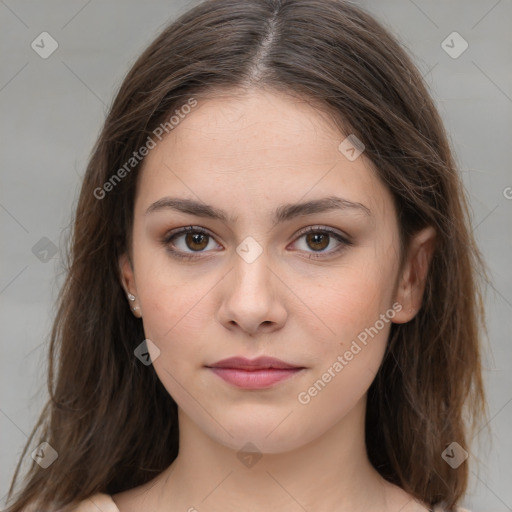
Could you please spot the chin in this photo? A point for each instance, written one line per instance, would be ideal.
(271, 436)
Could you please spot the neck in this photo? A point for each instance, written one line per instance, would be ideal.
(330, 473)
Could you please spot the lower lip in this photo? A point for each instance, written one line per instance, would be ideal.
(255, 379)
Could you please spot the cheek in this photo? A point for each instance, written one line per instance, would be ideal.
(357, 308)
(355, 296)
(174, 317)
(361, 321)
(360, 314)
(174, 320)
(172, 297)
(338, 390)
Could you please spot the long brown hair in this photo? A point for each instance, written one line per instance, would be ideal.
(110, 419)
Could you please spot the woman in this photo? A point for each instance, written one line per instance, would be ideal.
(272, 299)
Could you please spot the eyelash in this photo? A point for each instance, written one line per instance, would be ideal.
(311, 229)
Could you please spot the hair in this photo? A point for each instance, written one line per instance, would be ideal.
(105, 409)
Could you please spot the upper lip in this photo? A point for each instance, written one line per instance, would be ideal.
(260, 363)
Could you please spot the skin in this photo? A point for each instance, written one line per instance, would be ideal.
(248, 153)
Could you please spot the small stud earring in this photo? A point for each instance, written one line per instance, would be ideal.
(131, 297)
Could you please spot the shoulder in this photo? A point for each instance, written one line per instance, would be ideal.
(98, 501)
(458, 509)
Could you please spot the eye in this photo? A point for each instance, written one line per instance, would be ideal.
(193, 237)
(319, 238)
(184, 242)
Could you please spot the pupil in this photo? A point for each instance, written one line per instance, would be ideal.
(317, 239)
(195, 239)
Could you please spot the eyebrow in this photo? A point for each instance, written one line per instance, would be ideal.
(283, 213)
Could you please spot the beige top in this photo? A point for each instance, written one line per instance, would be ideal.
(105, 503)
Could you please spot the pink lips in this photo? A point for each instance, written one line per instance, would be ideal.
(253, 374)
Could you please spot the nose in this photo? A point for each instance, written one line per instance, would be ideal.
(253, 296)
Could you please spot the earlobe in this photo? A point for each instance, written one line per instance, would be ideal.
(413, 278)
(128, 283)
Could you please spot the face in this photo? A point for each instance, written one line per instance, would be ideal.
(317, 287)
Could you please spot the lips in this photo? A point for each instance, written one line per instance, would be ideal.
(259, 373)
(260, 363)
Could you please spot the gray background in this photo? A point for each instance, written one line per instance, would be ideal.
(52, 110)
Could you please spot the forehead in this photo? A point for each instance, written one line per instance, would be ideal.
(256, 150)
(255, 123)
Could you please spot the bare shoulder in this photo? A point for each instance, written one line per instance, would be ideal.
(142, 497)
(132, 500)
(97, 502)
(94, 503)
(458, 509)
(398, 499)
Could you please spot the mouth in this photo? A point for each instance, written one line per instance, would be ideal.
(258, 373)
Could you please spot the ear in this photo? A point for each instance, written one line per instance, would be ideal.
(128, 282)
(126, 273)
(412, 279)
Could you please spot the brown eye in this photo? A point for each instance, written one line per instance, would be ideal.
(184, 243)
(322, 242)
(196, 241)
(317, 241)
